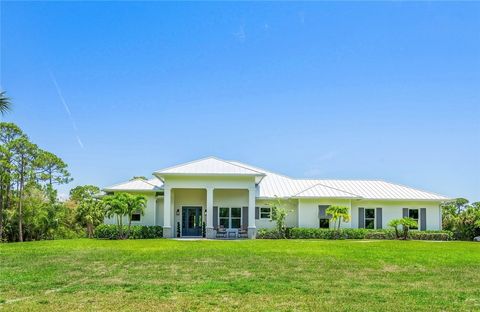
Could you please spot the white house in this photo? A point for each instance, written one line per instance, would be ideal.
(231, 195)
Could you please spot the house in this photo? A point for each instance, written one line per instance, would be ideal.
(221, 194)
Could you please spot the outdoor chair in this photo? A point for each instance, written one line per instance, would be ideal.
(221, 232)
(243, 232)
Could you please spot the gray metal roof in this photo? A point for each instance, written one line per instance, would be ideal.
(276, 185)
(208, 166)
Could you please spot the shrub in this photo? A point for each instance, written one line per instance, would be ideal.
(269, 234)
(111, 231)
(307, 233)
(432, 235)
(380, 234)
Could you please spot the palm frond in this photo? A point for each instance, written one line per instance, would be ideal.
(5, 104)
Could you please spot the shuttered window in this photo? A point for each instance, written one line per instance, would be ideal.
(324, 219)
(414, 214)
(369, 218)
(230, 217)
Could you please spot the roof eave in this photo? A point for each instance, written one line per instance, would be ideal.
(407, 199)
(160, 174)
(132, 190)
(325, 197)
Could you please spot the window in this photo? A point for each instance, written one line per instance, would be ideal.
(324, 223)
(236, 219)
(265, 213)
(135, 217)
(413, 213)
(369, 218)
(224, 217)
(230, 218)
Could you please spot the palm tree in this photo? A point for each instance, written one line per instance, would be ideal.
(338, 213)
(116, 205)
(135, 204)
(5, 104)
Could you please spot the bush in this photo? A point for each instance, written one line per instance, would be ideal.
(110, 231)
(307, 233)
(268, 234)
(432, 235)
(380, 234)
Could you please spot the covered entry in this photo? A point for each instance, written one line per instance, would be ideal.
(192, 221)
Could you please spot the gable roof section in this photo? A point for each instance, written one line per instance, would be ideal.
(137, 185)
(319, 191)
(208, 166)
(376, 189)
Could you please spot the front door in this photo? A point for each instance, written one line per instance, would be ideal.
(192, 221)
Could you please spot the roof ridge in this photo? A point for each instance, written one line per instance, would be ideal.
(241, 166)
(333, 188)
(415, 189)
(184, 164)
(206, 158)
(265, 170)
(125, 182)
(356, 180)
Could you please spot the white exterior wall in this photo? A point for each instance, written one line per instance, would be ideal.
(308, 211)
(292, 214)
(230, 198)
(394, 210)
(149, 216)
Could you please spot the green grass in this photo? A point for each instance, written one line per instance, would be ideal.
(246, 275)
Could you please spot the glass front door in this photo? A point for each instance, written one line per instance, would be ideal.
(192, 221)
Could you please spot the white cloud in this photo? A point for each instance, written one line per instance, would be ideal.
(240, 34)
(319, 164)
(67, 109)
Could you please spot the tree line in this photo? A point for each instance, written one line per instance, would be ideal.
(29, 205)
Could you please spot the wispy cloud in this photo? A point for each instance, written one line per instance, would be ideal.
(240, 34)
(67, 109)
(301, 16)
(318, 167)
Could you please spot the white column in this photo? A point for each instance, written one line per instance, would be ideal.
(210, 232)
(150, 210)
(167, 212)
(252, 229)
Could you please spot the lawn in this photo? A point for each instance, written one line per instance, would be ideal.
(267, 275)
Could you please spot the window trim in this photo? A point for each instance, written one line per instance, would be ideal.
(418, 219)
(365, 218)
(139, 217)
(230, 218)
(269, 213)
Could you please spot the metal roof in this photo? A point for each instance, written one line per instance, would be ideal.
(137, 185)
(319, 191)
(377, 189)
(276, 185)
(208, 166)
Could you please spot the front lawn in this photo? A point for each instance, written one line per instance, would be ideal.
(246, 275)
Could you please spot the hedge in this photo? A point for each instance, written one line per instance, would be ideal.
(110, 231)
(306, 233)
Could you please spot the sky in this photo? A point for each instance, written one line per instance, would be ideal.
(341, 90)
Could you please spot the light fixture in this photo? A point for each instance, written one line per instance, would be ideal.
(178, 212)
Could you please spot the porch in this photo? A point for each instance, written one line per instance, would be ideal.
(210, 212)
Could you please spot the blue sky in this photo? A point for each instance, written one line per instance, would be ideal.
(329, 90)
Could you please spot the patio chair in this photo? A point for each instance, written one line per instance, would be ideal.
(243, 232)
(221, 232)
